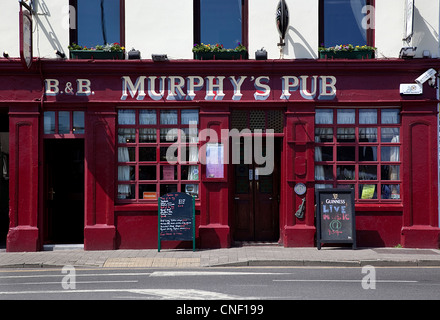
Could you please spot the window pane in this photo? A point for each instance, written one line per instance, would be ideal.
(367, 134)
(323, 153)
(390, 191)
(189, 154)
(324, 116)
(346, 135)
(126, 173)
(324, 172)
(147, 117)
(126, 135)
(367, 191)
(168, 117)
(346, 153)
(168, 135)
(189, 172)
(367, 172)
(390, 116)
(220, 22)
(49, 122)
(167, 188)
(126, 117)
(190, 117)
(147, 192)
(126, 154)
(172, 154)
(168, 173)
(190, 135)
(389, 172)
(147, 153)
(345, 172)
(147, 135)
(147, 172)
(346, 116)
(368, 116)
(63, 122)
(191, 189)
(343, 23)
(78, 122)
(390, 135)
(390, 153)
(98, 22)
(126, 191)
(367, 153)
(323, 134)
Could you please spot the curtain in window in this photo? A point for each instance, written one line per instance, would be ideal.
(356, 7)
(125, 117)
(322, 117)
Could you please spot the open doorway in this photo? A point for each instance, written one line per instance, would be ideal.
(64, 191)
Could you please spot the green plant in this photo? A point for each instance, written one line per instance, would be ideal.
(109, 47)
(345, 48)
(216, 48)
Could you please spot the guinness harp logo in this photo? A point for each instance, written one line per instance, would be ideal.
(335, 196)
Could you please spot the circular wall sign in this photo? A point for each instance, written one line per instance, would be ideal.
(300, 189)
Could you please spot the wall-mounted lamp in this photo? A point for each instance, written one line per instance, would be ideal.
(134, 54)
(5, 54)
(407, 52)
(159, 57)
(60, 54)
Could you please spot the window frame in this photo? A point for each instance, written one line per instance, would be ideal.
(71, 134)
(244, 22)
(334, 163)
(73, 32)
(370, 31)
(158, 163)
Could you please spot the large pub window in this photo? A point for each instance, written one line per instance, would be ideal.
(346, 22)
(97, 22)
(360, 149)
(157, 153)
(224, 22)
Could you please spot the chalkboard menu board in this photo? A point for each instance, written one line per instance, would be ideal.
(335, 216)
(176, 218)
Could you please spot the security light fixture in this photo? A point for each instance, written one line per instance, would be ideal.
(159, 57)
(407, 52)
(5, 54)
(60, 54)
(134, 54)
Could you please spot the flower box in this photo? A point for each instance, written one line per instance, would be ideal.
(97, 54)
(242, 55)
(358, 54)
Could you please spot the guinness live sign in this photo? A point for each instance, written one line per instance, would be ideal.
(335, 216)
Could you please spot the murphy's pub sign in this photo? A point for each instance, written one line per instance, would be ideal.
(196, 88)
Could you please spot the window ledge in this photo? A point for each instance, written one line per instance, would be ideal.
(378, 207)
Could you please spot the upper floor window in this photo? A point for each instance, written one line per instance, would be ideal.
(346, 22)
(223, 22)
(98, 22)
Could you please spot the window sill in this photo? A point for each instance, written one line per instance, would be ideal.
(376, 207)
(145, 207)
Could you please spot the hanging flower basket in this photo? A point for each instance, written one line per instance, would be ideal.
(347, 52)
(217, 52)
(108, 52)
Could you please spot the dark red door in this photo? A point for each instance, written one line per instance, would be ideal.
(256, 201)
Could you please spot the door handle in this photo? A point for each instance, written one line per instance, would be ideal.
(51, 193)
(236, 198)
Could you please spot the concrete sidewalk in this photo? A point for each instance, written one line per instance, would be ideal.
(237, 256)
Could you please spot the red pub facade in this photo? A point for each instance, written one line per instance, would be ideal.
(88, 143)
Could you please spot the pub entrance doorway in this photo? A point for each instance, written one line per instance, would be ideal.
(64, 191)
(256, 199)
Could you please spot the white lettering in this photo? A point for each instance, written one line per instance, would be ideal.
(138, 88)
(218, 86)
(52, 87)
(289, 84)
(262, 90)
(237, 87)
(83, 87)
(175, 91)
